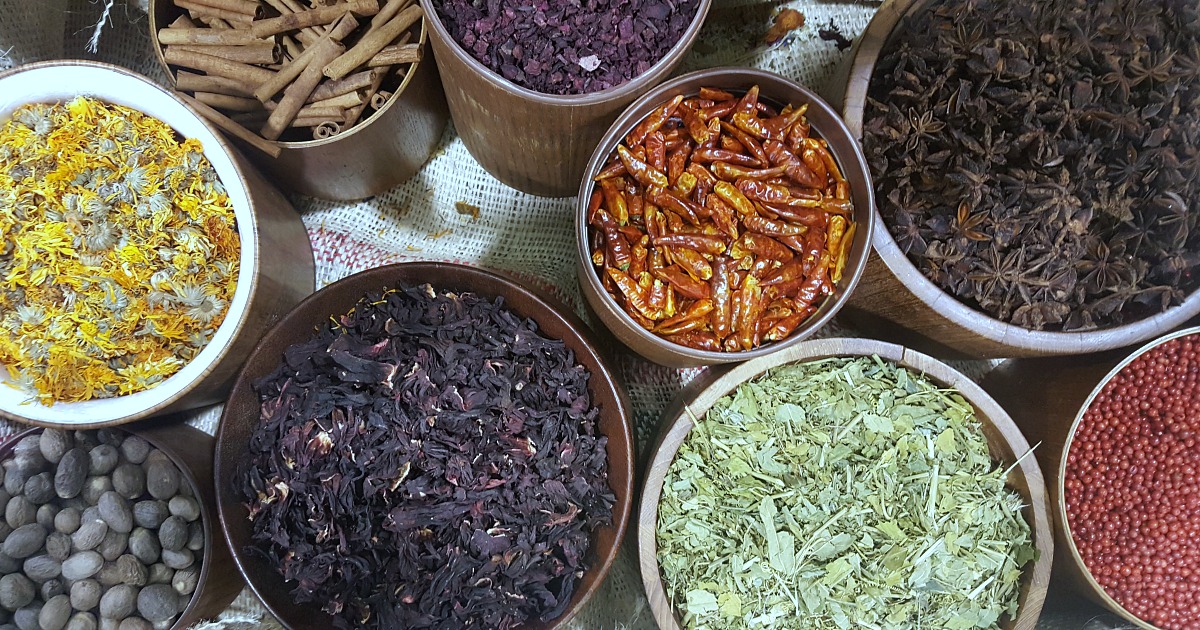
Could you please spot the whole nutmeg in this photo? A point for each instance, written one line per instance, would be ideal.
(5, 530)
(39, 488)
(186, 580)
(116, 511)
(27, 618)
(184, 507)
(82, 565)
(24, 541)
(195, 540)
(162, 479)
(20, 511)
(67, 520)
(108, 575)
(58, 546)
(129, 480)
(151, 513)
(95, 487)
(158, 602)
(113, 545)
(173, 534)
(42, 568)
(55, 613)
(111, 436)
(180, 559)
(54, 443)
(135, 449)
(132, 571)
(85, 594)
(85, 438)
(45, 516)
(50, 588)
(71, 473)
(15, 476)
(161, 573)
(103, 459)
(144, 545)
(135, 623)
(89, 535)
(7, 564)
(16, 591)
(82, 621)
(118, 602)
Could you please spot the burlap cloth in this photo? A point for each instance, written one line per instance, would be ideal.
(527, 236)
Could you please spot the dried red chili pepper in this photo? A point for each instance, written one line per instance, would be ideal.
(736, 221)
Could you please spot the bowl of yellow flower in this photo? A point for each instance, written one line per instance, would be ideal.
(140, 257)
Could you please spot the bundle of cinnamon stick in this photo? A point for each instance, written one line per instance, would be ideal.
(275, 65)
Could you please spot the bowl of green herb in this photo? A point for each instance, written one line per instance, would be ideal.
(142, 259)
(843, 483)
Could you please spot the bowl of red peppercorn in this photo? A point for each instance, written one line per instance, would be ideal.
(1119, 434)
(725, 215)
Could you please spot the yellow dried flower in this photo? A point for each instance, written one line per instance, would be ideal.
(119, 251)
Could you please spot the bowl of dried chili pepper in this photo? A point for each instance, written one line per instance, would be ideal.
(141, 257)
(1119, 435)
(725, 215)
(425, 445)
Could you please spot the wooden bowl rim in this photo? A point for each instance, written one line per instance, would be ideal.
(206, 516)
(1060, 507)
(856, 263)
(879, 32)
(248, 232)
(636, 85)
(673, 431)
(506, 287)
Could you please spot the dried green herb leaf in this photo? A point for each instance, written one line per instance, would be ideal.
(843, 493)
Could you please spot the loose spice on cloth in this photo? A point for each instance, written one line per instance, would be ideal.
(840, 493)
(120, 250)
(429, 460)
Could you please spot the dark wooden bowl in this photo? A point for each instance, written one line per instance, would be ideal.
(776, 89)
(382, 151)
(537, 143)
(1048, 397)
(241, 416)
(191, 450)
(1004, 441)
(276, 259)
(896, 301)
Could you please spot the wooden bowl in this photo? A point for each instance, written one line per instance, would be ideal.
(382, 151)
(774, 88)
(241, 416)
(1048, 410)
(276, 268)
(896, 301)
(534, 142)
(191, 450)
(1004, 441)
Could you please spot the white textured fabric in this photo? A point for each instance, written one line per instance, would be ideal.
(527, 236)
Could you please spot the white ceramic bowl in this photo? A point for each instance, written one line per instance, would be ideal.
(276, 269)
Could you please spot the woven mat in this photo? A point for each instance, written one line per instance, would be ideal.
(526, 236)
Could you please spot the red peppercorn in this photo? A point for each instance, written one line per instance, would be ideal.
(1131, 486)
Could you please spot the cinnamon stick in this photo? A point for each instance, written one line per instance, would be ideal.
(380, 98)
(338, 87)
(298, 92)
(307, 36)
(281, 79)
(312, 17)
(249, 8)
(189, 82)
(207, 37)
(203, 10)
(262, 53)
(182, 21)
(309, 121)
(231, 127)
(326, 130)
(227, 102)
(342, 101)
(373, 42)
(387, 12)
(395, 55)
(354, 113)
(217, 66)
